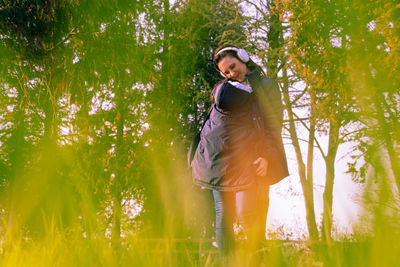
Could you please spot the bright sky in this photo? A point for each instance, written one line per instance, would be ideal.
(287, 210)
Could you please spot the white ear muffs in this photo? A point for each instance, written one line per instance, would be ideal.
(241, 53)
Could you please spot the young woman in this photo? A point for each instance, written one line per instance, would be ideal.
(240, 152)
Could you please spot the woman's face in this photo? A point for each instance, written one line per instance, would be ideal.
(233, 68)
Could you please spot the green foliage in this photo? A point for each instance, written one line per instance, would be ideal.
(97, 97)
(99, 100)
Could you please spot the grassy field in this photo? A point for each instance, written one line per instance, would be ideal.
(72, 249)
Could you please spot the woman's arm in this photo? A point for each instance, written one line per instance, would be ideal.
(269, 105)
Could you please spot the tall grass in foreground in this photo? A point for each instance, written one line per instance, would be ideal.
(84, 242)
(375, 245)
(62, 249)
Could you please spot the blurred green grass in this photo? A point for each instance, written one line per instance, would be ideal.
(70, 248)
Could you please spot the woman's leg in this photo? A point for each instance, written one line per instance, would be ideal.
(252, 209)
(225, 214)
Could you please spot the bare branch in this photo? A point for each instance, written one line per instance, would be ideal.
(316, 141)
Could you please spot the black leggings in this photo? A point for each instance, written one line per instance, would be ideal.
(250, 207)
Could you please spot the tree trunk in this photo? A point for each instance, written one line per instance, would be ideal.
(386, 134)
(116, 183)
(17, 159)
(307, 184)
(330, 176)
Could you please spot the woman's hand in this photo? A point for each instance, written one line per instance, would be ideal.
(262, 165)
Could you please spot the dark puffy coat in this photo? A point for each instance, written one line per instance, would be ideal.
(242, 127)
